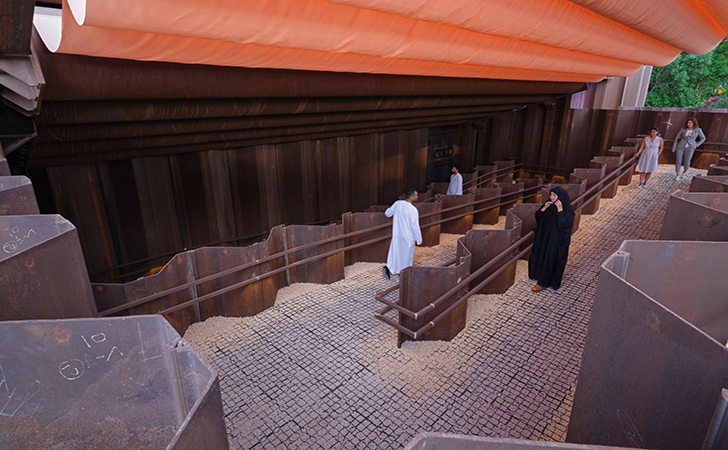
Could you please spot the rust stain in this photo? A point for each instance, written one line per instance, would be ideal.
(61, 335)
(653, 321)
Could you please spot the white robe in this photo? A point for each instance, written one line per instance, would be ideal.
(456, 185)
(405, 233)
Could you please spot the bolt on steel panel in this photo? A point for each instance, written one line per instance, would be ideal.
(696, 217)
(447, 441)
(513, 193)
(463, 224)
(487, 217)
(655, 359)
(717, 183)
(419, 286)
(42, 271)
(486, 244)
(121, 383)
(17, 197)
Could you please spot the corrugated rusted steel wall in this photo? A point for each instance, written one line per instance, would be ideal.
(129, 210)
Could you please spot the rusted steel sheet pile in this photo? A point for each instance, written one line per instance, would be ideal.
(655, 362)
(696, 216)
(121, 383)
(428, 306)
(447, 441)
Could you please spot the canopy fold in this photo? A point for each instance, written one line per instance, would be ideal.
(539, 40)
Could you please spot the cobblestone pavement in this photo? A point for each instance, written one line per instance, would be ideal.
(318, 371)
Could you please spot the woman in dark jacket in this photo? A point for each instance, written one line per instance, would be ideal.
(550, 249)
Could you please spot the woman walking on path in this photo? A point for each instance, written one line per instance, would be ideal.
(649, 153)
(686, 141)
(553, 235)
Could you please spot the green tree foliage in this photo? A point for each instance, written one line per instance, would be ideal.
(690, 81)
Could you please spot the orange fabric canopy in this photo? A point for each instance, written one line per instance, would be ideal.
(550, 40)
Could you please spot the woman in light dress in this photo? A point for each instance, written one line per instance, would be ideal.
(649, 153)
(687, 140)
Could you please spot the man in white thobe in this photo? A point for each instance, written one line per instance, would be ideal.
(456, 183)
(405, 233)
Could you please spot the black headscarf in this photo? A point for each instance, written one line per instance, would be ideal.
(551, 245)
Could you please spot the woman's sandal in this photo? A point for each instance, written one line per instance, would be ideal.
(537, 288)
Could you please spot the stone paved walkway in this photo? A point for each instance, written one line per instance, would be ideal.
(318, 371)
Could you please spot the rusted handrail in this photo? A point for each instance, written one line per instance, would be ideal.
(282, 254)
(492, 174)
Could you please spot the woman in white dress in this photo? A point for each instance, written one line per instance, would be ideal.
(649, 153)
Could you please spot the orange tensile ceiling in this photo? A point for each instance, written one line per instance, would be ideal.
(550, 40)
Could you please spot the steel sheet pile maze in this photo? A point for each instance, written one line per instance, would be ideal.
(430, 303)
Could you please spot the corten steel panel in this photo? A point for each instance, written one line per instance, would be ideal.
(430, 234)
(531, 183)
(484, 245)
(500, 165)
(703, 160)
(42, 272)
(376, 252)
(485, 169)
(122, 383)
(655, 359)
(323, 271)
(457, 226)
(275, 243)
(438, 188)
(696, 217)
(715, 183)
(627, 153)
(17, 197)
(717, 170)
(4, 168)
(447, 441)
(516, 195)
(526, 214)
(243, 302)
(420, 286)
(17, 20)
(722, 162)
(487, 217)
(592, 177)
(179, 270)
(612, 162)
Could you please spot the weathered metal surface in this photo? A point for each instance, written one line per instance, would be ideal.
(419, 286)
(592, 176)
(42, 272)
(612, 163)
(457, 226)
(376, 252)
(512, 192)
(17, 197)
(430, 233)
(122, 383)
(525, 213)
(483, 246)
(627, 152)
(437, 188)
(532, 184)
(482, 170)
(722, 162)
(655, 359)
(715, 169)
(715, 183)
(507, 177)
(323, 271)
(4, 168)
(17, 20)
(487, 217)
(190, 266)
(696, 217)
(446, 441)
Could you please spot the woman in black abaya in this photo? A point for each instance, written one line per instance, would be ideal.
(550, 249)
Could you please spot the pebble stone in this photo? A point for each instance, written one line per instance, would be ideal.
(318, 371)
